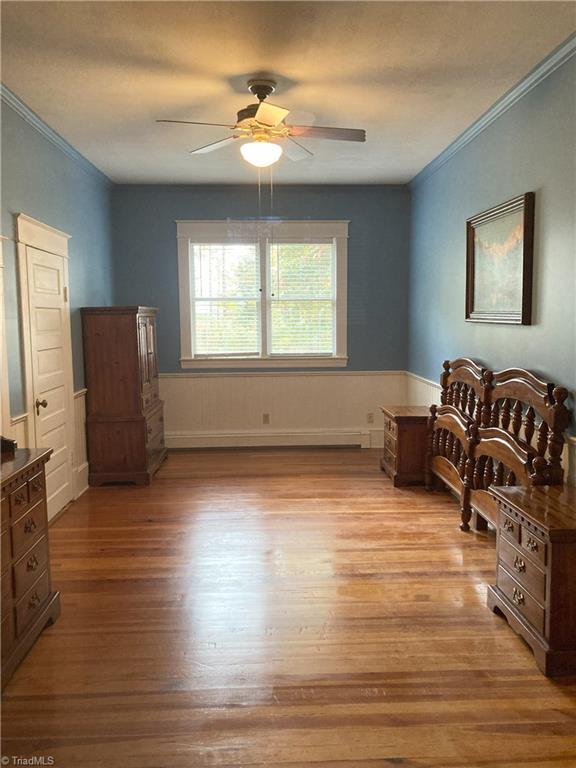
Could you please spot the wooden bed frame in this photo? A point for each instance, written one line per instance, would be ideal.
(497, 429)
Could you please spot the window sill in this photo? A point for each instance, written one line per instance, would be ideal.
(188, 363)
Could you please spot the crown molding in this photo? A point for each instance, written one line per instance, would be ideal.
(554, 60)
(10, 98)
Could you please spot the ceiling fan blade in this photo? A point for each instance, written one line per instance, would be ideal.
(270, 115)
(214, 145)
(318, 132)
(295, 151)
(191, 122)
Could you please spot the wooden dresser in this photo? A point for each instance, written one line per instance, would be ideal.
(405, 434)
(536, 573)
(124, 413)
(28, 601)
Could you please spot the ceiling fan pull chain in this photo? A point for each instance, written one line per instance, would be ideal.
(259, 193)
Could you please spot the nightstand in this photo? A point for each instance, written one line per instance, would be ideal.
(404, 455)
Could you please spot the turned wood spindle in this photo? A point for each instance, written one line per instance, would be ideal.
(449, 445)
(510, 478)
(505, 415)
(442, 443)
(471, 401)
(499, 474)
(495, 415)
(516, 418)
(542, 440)
(529, 425)
(488, 473)
(456, 451)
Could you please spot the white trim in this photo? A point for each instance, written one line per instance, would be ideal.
(42, 236)
(307, 374)
(4, 382)
(25, 340)
(44, 129)
(260, 231)
(545, 68)
(295, 361)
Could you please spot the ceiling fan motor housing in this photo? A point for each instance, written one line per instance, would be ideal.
(261, 88)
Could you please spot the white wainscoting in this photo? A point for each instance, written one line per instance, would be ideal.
(19, 430)
(316, 408)
(421, 391)
(80, 459)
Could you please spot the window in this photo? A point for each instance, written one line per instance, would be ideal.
(262, 293)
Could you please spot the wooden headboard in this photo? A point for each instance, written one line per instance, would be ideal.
(503, 428)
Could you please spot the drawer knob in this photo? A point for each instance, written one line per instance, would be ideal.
(508, 525)
(149, 430)
(518, 597)
(34, 601)
(32, 563)
(532, 545)
(519, 564)
(19, 499)
(30, 525)
(36, 486)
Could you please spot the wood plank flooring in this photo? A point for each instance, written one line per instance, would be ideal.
(282, 608)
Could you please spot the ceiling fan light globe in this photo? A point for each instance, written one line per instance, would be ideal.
(261, 154)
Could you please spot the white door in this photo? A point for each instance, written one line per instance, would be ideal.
(52, 370)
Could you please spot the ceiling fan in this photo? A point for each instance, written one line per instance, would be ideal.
(267, 135)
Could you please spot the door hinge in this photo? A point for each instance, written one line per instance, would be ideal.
(66, 293)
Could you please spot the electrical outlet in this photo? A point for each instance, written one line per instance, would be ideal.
(370, 418)
(265, 418)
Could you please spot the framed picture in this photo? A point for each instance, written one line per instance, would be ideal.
(499, 248)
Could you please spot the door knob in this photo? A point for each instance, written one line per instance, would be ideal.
(39, 404)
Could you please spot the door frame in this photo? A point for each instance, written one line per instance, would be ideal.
(35, 234)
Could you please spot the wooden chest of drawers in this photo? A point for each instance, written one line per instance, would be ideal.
(403, 458)
(536, 573)
(28, 602)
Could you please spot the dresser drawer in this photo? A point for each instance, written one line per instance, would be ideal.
(521, 599)
(523, 569)
(7, 632)
(5, 507)
(388, 462)
(5, 550)
(7, 593)
(19, 501)
(390, 426)
(36, 489)
(31, 602)
(390, 444)
(26, 530)
(533, 546)
(509, 527)
(31, 564)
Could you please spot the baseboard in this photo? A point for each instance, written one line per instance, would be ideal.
(363, 438)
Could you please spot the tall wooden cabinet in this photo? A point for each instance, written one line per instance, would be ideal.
(124, 413)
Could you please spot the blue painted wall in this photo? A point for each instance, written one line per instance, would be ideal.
(146, 260)
(40, 180)
(531, 147)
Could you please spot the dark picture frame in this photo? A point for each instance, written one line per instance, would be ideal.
(499, 257)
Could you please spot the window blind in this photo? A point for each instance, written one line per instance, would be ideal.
(225, 291)
(302, 298)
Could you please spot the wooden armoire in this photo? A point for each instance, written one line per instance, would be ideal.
(124, 413)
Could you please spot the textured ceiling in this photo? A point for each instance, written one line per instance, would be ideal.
(414, 75)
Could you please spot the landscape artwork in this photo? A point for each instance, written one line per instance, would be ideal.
(499, 263)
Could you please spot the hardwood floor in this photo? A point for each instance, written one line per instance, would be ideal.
(283, 608)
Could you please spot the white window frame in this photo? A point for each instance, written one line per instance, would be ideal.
(236, 231)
